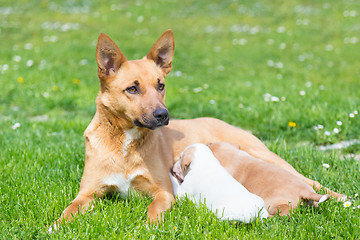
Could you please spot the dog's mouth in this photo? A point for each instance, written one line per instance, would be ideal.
(152, 125)
(152, 122)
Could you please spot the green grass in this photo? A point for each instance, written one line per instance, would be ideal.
(288, 47)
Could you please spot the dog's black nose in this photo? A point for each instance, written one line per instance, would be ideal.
(161, 114)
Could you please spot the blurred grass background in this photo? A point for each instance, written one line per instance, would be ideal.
(275, 68)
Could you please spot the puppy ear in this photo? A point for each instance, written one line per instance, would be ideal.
(186, 160)
(177, 172)
(162, 52)
(108, 56)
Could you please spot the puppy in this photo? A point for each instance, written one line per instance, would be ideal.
(199, 174)
(280, 190)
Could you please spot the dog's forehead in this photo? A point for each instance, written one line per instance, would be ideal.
(145, 70)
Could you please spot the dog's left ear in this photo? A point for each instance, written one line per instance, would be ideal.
(162, 52)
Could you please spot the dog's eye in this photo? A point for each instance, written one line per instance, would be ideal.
(161, 86)
(132, 89)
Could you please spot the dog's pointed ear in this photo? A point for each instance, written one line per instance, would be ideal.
(108, 56)
(162, 52)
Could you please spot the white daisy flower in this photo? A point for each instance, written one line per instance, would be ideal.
(220, 68)
(242, 41)
(198, 89)
(274, 99)
(279, 65)
(327, 133)
(267, 97)
(4, 67)
(347, 204)
(140, 19)
(270, 41)
(83, 62)
(336, 130)
(28, 46)
(325, 165)
(29, 63)
(281, 29)
(15, 126)
(17, 58)
(339, 123)
(270, 63)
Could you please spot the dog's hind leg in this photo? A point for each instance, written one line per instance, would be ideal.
(314, 198)
(252, 145)
(282, 210)
(268, 156)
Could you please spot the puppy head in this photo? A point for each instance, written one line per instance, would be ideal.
(182, 166)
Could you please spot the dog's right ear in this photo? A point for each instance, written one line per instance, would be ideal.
(108, 56)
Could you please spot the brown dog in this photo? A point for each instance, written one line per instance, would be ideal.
(126, 145)
(280, 190)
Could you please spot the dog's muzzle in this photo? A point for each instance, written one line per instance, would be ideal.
(162, 116)
(159, 118)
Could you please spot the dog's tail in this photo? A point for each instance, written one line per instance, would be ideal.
(314, 199)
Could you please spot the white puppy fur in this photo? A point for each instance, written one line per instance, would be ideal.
(203, 179)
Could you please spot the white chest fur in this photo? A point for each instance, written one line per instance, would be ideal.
(122, 183)
(130, 135)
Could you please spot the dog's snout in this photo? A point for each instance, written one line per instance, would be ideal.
(161, 114)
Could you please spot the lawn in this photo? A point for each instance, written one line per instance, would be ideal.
(288, 71)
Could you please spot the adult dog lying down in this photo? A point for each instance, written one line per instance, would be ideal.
(127, 143)
(199, 175)
(280, 190)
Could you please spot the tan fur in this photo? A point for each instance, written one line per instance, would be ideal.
(118, 146)
(280, 190)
